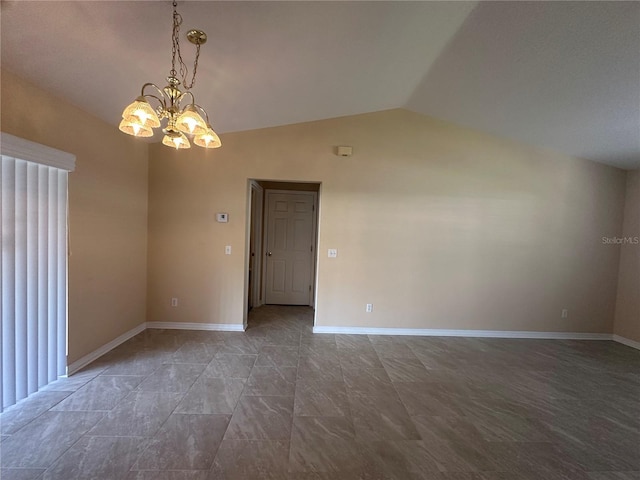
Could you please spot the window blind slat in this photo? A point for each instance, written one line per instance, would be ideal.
(62, 272)
(2, 282)
(32, 278)
(8, 283)
(52, 286)
(43, 274)
(20, 319)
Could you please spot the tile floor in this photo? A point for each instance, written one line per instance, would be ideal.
(278, 402)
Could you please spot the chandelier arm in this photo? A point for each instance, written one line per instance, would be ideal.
(206, 115)
(193, 99)
(160, 99)
(162, 103)
(151, 85)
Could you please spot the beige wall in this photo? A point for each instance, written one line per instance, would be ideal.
(628, 305)
(107, 212)
(436, 225)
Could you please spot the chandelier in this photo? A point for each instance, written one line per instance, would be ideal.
(178, 107)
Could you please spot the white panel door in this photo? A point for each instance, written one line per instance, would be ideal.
(289, 243)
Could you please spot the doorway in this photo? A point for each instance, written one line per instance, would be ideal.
(282, 243)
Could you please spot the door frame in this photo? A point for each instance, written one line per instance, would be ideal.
(314, 236)
(256, 213)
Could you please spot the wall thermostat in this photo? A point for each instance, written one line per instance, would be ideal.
(222, 217)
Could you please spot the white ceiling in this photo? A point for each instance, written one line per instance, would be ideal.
(560, 75)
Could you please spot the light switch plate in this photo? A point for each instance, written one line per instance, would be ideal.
(333, 253)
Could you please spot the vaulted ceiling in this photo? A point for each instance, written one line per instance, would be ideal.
(559, 75)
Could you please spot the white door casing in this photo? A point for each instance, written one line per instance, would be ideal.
(289, 247)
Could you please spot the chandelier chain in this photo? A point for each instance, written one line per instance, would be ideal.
(177, 20)
(184, 71)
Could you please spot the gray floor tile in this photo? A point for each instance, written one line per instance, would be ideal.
(614, 476)
(324, 444)
(405, 370)
(195, 352)
(324, 344)
(185, 442)
(502, 427)
(101, 393)
(546, 459)
(239, 344)
(169, 475)
(321, 368)
(321, 399)
(227, 365)
(398, 342)
(173, 378)
(251, 460)
(40, 443)
(261, 418)
(354, 343)
(394, 351)
(357, 359)
(461, 456)
(367, 380)
(343, 475)
(381, 417)
(108, 458)
(135, 363)
(139, 414)
(75, 381)
(19, 415)
(398, 456)
(446, 429)
(281, 336)
(428, 399)
(21, 473)
(212, 396)
(601, 456)
(269, 381)
(277, 356)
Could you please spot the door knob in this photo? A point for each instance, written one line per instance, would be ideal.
(268, 254)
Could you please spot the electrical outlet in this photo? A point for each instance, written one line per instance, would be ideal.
(333, 253)
(174, 302)
(565, 313)
(369, 308)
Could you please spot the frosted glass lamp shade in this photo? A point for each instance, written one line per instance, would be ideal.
(140, 112)
(209, 139)
(134, 129)
(191, 122)
(176, 140)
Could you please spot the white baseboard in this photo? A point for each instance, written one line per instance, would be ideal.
(432, 332)
(222, 327)
(418, 332)
(626, 341)
(87, 359)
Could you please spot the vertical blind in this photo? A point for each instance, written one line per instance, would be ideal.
(34, 269)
